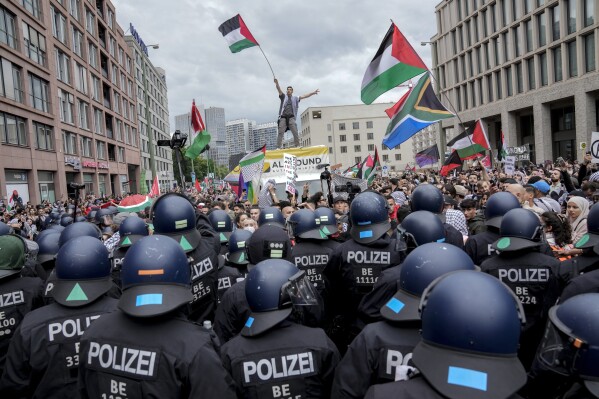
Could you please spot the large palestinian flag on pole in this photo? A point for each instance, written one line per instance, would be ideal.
(394, 63)
(237, 34)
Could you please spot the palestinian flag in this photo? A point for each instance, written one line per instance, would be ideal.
(469, 145)
(366, 168)
(503, 150)
(375, 167)
(451, 163)
(394, 63)
(251, 171)
(237, 34)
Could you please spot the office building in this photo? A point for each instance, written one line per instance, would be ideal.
(525, 67)
(265, 133)
(238, 139)
(424, 139)
(352, 132)
(215, 123)
(67, 101)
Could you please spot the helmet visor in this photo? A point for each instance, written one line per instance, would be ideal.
(299, 291)
(559, 350)
(106, 220)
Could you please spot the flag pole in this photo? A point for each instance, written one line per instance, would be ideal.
(267, 61)
(190, 133)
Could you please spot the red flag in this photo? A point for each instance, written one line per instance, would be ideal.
(198, 187)
(451, 163)
(155, 191)
(196, 119)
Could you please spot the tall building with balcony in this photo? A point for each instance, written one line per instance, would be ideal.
(67, 101)
(525, 67)
(152, 114)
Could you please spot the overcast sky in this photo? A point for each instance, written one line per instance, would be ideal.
(311, 44)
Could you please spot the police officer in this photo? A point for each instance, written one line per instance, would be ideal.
(271, 215)
(418, 228)
(275, 357)
(356, 264)
(470, 329)
(174, 216)
(48, 248)
(479, 246)
(131, 230)
(43, 357)
(222, 224)
(237, 256)
(18, 295)
(147, 348)
(268, 242)
(427, 197)
(530, 274)
(328, 224)
(382, 352)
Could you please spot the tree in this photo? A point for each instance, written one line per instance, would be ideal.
(201, 166)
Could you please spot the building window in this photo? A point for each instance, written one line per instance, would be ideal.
(398, 157)
(589, 12)
(528, 6)
(343, 149)
(557, 64)
(589, 52)
(83, 109)
(39, 93)
(96, 88)
(542, 24)
(519, 78)
(44, 136)
(572, 64)
(370, 147)
(69, 142)
(66, 103)
(110, 18)
(355, 125)
(543, 67)
(86, 146)
(555, 17)
(316, 114)
(7, 28)
(12, 129)
(74, 8)
(508, 81)
(33, 7)
(59, 25)
(90, 22)
(35, 44)
(357, 148)
(342, 126)
(370, 136)
(121, 154)
(517, 38)
(10, 82)
(498, 84)
(571, 15)
(77, 39)
(100, 150)
(385, 157)
(357, 137)
(98, 126)
(342, 137)
(368, 124)
(531, 73)
(63, 67)
(80, 78)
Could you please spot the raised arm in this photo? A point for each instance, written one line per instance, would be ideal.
(278, 87)
(309, 94)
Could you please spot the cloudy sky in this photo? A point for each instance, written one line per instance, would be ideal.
(311, 44)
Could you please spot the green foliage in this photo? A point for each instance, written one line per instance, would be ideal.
(201, 166)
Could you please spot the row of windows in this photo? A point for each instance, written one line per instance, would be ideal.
(343, 137)
(86, 147)
(355, 125)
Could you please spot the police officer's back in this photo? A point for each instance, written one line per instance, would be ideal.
(529, 274)
(174, 216)
(382, 352)
(154, 350)
(227, 274)
(43, 357)
(275, 357)
(18, 295)
(470, 330)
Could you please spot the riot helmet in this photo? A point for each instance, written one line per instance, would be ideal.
(131, 230)
(48, 246)
(269, 242)
(520, 229)
(238, 244)
(79, 230)
(66, 220)
(305, 224)
(427, 197)
(369, 217)
(12, 255)
(272, 288)
(271, 215)
(155, 277)
(103, 217)
(174, 216)
(82, 271)
(420, 268)
(328, 221)
(4, 229)
(56, 227)
(80, 219)
(497, 206)
(222, 223)
(419, 228)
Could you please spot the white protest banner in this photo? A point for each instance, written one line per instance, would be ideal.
(509, 166)
(290, 167)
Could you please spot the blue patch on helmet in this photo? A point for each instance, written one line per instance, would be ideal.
(364, 223)
(441, 240)
(148, 299)
(366, 234)
(467, 378)
(395, 305)
(249, 322)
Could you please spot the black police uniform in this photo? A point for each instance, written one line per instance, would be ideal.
(583, 284)
(376, 356)
(287, 361)
(385, 287)
(584, 263)
(532, 277)
(18, 296)
(453, 236)
(117, 259)
(166, 357)
(227, 277)
(312, 256)
(232, 312)
(43, 357)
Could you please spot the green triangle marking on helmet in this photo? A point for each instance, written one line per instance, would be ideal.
(126, 241)
(242, 257)
(322, 234)
(185, 244)
(77, 294)
(222, 237)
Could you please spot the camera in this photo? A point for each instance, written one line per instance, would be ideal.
(76, 186)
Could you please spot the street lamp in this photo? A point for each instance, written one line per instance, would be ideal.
(145, 59)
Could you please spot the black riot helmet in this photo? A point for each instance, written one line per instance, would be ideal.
(328, 221)
(269, 242)
(497, 206)
(369, 217)
(103, 217)
(470, 332)
(174, 216)
(79, 230)
(520, 229)
(419, 228)
(66, 220)
(427, 197)
(131, 230)
(82, 271)
(156, 278)
(570, 345)
(80, 219)
(304, 223)
(48, 246)
(272, 288)
(238, 245)
(222, 223)
(91, 216)
(420, 268)
(271, 215)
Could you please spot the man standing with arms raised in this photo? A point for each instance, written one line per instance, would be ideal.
(288, 113)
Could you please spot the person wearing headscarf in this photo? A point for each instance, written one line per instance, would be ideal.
(577, 211)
